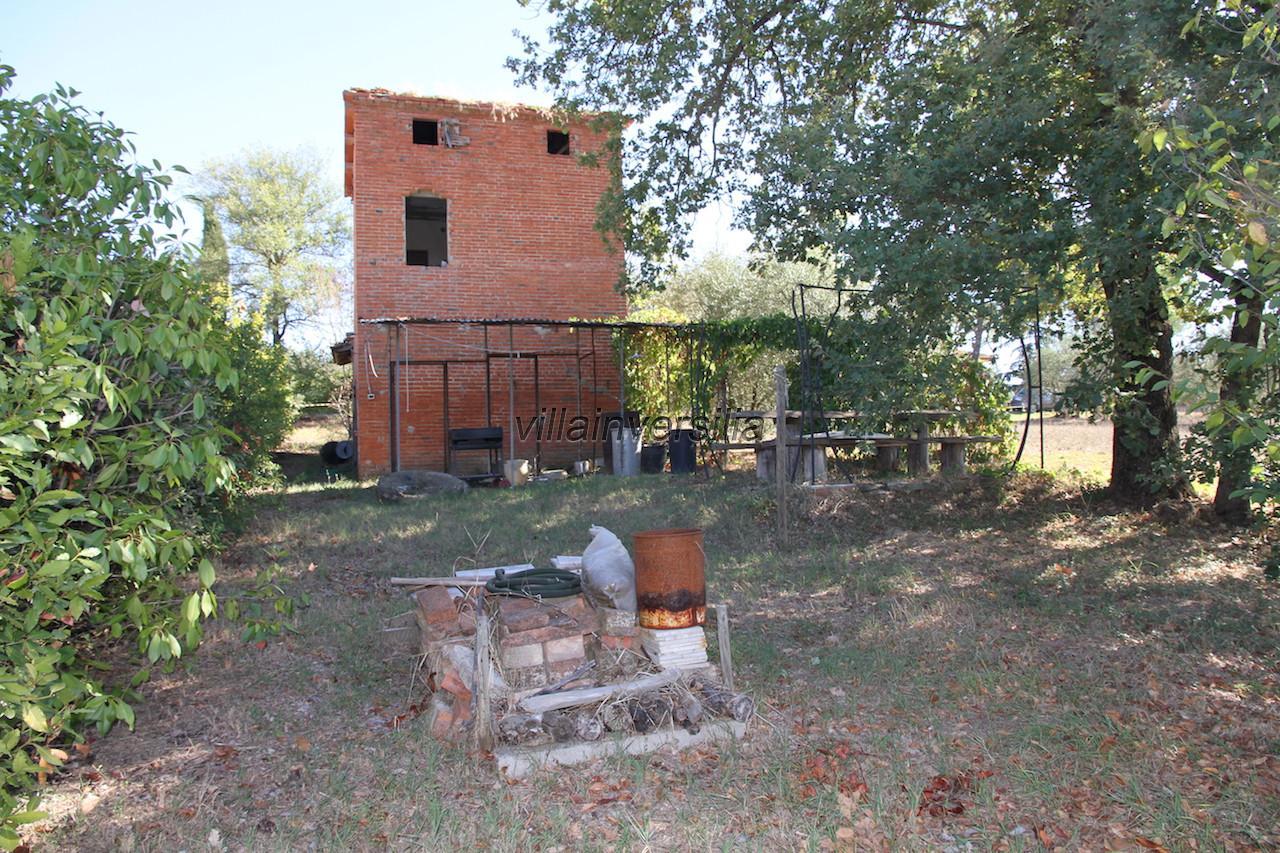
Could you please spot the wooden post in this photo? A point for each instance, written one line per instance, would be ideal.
(918, 453)
(726, 650)
(724, 419)
(780, 465)
(482, 723)
(953, 457)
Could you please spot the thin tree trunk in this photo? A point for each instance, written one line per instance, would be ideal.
(1236, 465)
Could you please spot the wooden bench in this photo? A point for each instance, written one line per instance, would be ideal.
(889, 451)
(485, 439)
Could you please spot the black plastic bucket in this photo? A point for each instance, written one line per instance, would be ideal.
(684, 451)
(653, 458)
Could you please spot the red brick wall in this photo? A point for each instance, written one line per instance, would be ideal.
(522, 243)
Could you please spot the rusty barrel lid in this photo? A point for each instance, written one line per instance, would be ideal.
(671, 585)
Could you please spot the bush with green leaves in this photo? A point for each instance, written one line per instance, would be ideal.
(110, 449)
(316, 379)
(1225, 156)
(262, 408)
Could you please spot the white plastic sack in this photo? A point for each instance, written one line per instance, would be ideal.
(608, 574)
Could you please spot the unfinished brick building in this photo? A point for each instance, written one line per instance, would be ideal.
(475, 212)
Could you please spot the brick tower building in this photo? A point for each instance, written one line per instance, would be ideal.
(475, 212)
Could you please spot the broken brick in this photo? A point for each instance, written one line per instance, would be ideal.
(542, 635)
(436, 605)
(441, 719)
(453, 684)
(521, 614)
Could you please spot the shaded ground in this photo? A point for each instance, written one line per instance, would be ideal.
(964, 667)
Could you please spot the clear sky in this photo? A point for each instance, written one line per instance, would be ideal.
(200, 81)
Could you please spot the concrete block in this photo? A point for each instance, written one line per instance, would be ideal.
(520, 657)
(568, 648)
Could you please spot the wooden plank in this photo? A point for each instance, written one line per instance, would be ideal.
(482, 721)
(726, 650)
(587, 695)
(517, 762)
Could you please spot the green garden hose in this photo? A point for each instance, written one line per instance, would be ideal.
(535, 583)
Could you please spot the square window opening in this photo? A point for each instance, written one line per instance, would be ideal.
(426, 231)
(426, 132)
(557, 142)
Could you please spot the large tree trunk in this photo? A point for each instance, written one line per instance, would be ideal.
(1144, 460)
(1236, 465)
(1125, 237)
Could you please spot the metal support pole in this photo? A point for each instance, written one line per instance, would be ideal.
(488, 388)
(780, 447)
(622, 378)
(577, 361)
(395, 417)
(511, 391)
(595, 389)
(1039, 381)
(448, 450)
(537, 408)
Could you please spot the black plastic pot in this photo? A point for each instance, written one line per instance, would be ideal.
(684, 451)
(653, 458)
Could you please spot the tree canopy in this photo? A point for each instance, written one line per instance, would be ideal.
(286, 229)
(111, 458)
(965, 162)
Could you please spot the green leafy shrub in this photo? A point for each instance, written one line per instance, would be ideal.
(315, 378)
(262, 408)
(111, 451)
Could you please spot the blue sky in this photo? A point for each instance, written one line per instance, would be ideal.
(200, 81)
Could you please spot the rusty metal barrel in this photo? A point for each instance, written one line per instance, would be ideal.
(671, 583)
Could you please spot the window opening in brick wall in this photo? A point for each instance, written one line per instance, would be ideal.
(426, 132)
(426, 234)
(557, 142)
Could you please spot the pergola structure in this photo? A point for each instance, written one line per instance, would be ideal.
(582, 394)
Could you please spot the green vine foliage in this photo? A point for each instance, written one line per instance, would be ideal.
(1224, 155)
(111, 453)
(881, 373)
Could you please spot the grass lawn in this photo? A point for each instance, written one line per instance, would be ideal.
(969, 666)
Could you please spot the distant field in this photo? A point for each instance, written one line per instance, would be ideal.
(1070, 444)
(1077, 446)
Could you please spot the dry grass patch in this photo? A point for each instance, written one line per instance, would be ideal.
(978, 665)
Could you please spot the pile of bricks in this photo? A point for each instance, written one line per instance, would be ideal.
(447, 627)
(441, 616)
(618, 630)
(541, 642)
(536, 643)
